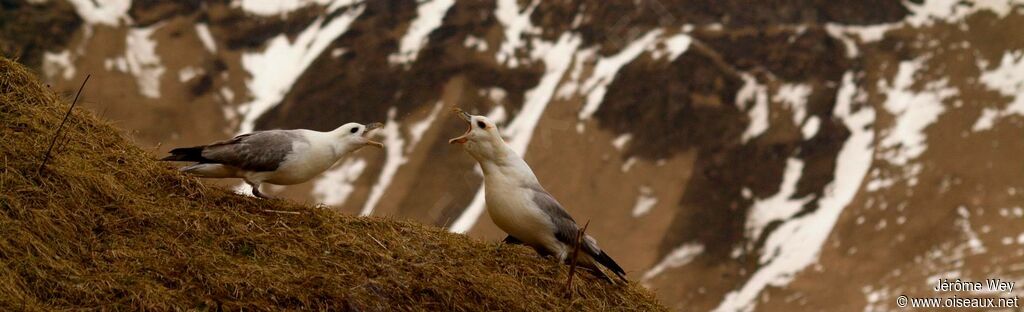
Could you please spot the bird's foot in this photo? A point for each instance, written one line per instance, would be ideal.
(256, 191)
(259, 195)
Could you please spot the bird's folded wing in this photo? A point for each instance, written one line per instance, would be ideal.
(257, 151)
(566, 229)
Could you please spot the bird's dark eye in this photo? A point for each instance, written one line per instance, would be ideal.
(481, 124)
(354, 129)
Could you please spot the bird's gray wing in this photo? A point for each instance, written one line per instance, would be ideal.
(257, 151)
(566, 229)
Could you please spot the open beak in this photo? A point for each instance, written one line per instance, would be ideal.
(465, 117)
(369, 128)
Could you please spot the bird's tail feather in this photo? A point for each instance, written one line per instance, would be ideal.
(210, 170)
(607, 262)
(596, 271)
(194, 153)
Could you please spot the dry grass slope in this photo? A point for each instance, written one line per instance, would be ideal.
(104, 226)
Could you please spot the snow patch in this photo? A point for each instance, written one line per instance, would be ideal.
(335, 185)
(926, 13)
(429, 15)
(417, 129)
(189, 72)
(757, 95)
(118, 63)
(229, 96)
(810, 127)
(143, 62)
(679, 257)
(628, 164)
(780, 206)
(987, 119)
(283, 7)
(620, 142)
(393, 159)
(107, 12)
(795, 97)
(973, 242)
(496, 94)
(274, 70)
(1008, 80)
(796, 244)
(644, 202)
(606, 69)
(478, 44)
(203, 32)
(951, 11)
(674, 46)
(58, 64)
(913, 112)
(516, 23)
(572, 85)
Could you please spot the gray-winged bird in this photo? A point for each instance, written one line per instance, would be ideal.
(520, 206)
(281, 157)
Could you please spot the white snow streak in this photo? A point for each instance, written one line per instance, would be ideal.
(107, 12)
(278, 66)
(950, 11)
(429, 15)
(58, 64)
(797, 243)
(913, 111)
(606, 69)
(516, 24)
(478, 44)
(334, 187)
(142, 60)
(811, 127)
(644, 202)
(189, 72)
(924, 14)
(417, 129)
(795, 97)
(1008, 80)
(393, 160)
(780, 206)
(758, 110)
(677, 258)
(674, 46)
(283, 7)
(620, 141)
(865, 33)
(203, 31)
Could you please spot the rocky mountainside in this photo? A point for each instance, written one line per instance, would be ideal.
(733, 155)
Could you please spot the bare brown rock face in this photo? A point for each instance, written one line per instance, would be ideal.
(778, 155)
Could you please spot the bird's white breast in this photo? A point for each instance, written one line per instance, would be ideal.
(512, 209)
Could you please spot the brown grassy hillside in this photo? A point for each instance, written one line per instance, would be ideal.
(105, 226)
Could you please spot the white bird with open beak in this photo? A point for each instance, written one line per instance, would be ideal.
(520, 206)
(280, 157)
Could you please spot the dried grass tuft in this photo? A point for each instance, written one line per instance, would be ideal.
(104, 226)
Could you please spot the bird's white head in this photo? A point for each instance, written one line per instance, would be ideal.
(356, 135)
(482, 139)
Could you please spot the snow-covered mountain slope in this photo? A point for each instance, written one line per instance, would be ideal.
(793, 155)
